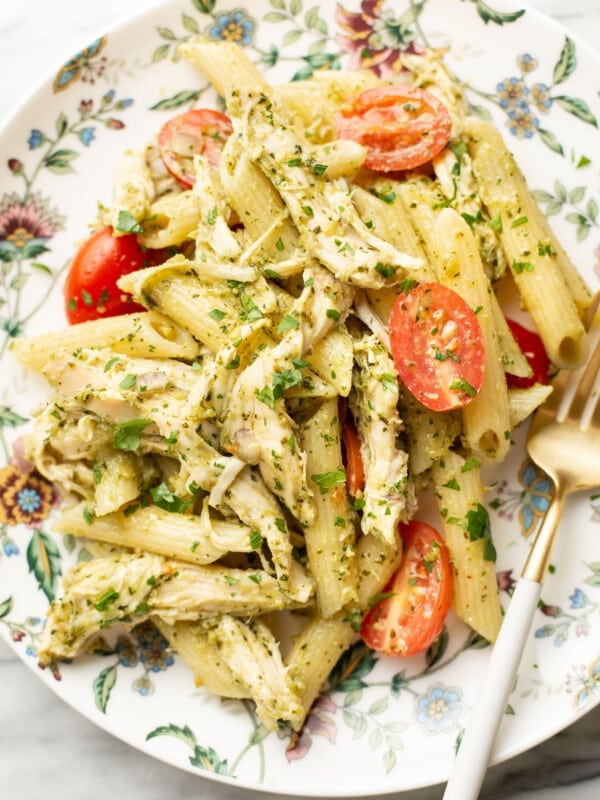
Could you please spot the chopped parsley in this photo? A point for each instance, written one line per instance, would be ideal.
(387, 197)
(288, 323)
(472, 220)
(127, 223)
(496, 223)
(126, 436)
(452, 484)
(516, 223)
(128, 381)
(463, 386)
(256, 540)
(110, 363)
(165, 499)
(106, 599)
(522, 266)
(479, 527)
(387, 270)
(327, 480)
(280, 523)
(389, 382)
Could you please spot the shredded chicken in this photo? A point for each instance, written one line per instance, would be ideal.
(129, 588)
(388, 493)
(322, 209)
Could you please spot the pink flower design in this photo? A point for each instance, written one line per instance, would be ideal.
(22, 221)
(375, 39)
(505, 580)
(319, 722)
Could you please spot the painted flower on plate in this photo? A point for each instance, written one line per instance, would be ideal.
(511, 92)
(585, 682)
(235, 26)
(126, 651)
(25, 497)
(154, 650)
(527, 62)
(540, 94)
(439, 709)
(522, 123)
(320, 722)
(376, 38)
(87, 66)
(26, 224)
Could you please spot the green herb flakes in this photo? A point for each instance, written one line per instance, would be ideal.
(327, 480)
(479, 527)
(127, 435)
(127, 223)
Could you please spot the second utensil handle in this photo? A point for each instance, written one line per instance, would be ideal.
(476, 746)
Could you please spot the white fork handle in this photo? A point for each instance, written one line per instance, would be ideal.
(476, 746)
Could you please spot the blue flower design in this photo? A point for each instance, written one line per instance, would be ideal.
(126, 651)
(439, 709)
(536, 497)
(522, 123)
(578, 599)
(511, 92)
(29, 500)
(586, 683)
(561, 637)
(87, 136)
(10, 548)
(155, 658)
(233, 27)
(154, 651)
(527, 62)
(540, 93)
(143, 686)
(36, 139)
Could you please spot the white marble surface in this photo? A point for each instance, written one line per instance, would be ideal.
(46, 748)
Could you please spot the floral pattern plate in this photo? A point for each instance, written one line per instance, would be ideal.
(383, 725)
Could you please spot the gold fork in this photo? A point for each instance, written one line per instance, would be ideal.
(564, 440)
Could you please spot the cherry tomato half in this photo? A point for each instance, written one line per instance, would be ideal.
(355, 472)
(437, 345)
(402, 126)
(534, 351)
(416, 601)
(91, 289)
(200, 131)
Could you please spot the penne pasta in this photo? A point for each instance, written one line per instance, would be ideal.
(330, 538)
(147, 335)
(486, 418)
(465, 521)
(243, 456)
(539, 268)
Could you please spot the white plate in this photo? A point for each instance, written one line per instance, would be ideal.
(388, 725)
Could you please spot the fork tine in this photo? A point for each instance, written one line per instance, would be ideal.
(581, 407)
